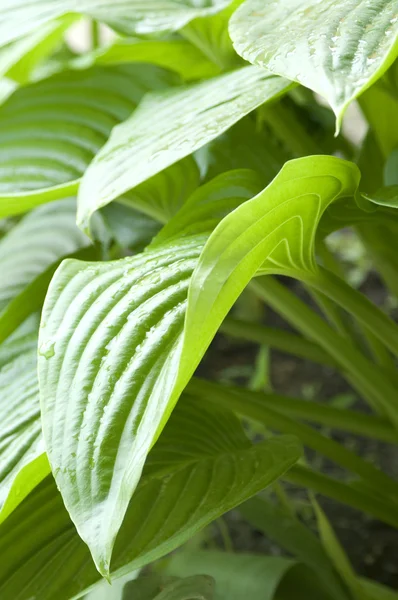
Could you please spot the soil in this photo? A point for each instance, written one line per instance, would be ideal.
(371, 545)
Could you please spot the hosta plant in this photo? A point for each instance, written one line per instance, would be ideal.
(152, 191)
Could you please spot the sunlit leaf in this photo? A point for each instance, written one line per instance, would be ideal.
(20, 17)
(169, 126)
(336, 48)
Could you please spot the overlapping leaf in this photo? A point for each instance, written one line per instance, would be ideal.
(336, 48)
(202, 466)
(169, 126)
(197, 587)
(50, 131)
(118, 341)
(39, 239)
(20, 17)
(22, 463)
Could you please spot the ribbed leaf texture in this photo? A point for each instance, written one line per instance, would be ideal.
(336, 48)
(50, 130)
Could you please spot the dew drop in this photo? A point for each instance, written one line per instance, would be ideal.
(47, 349)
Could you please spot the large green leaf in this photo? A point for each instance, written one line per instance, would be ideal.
(169, 126)
(50, 131)
(336, 48)
(39, 239)
(20, 17)
(202, 466)
(119, 325)
(118, 342)
(22, 463)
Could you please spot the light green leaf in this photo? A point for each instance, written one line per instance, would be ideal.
(20, 17)
(202, 466)
(110, 348)
(336, 48)
(118, 342)
(243, 576)
(19, 58)
(169, 126)
(37, 241)
(50, 130)
(178, 55)
(22, 462)
(197, 587)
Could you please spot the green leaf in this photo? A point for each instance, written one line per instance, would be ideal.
(243, 147)
(337, 555)
(202, 466)
(197, 587)
(169, 126)
(178, 55)
(20, 17)
(210, 35)
(22, 462)
(118, 342)
(19, 58)
(110, 349)
(336, 48)
(128, 227)
(294, 537)
(242, 576)
(51, 130)
(38, 240)
(386, 196)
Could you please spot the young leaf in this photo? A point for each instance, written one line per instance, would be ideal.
(336, 48)
(169, 126)
(115, 351)
(37, 241)
(22, 463)
(197, 587)
(20, 17)
(202, 466)
(50, 131)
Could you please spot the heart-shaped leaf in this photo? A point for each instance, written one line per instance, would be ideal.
(118, 342)
(50, 130)
(202, 466)
(169, 126)
(336, 48)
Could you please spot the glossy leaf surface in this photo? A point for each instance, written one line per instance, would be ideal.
(169, 126)
(20, 17)
(336, 48)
